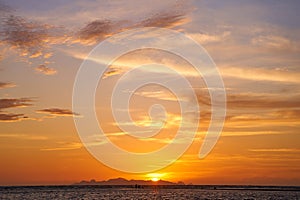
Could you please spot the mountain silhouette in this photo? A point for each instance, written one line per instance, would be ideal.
(123, 181)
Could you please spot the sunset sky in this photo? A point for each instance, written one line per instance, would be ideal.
(255, 45)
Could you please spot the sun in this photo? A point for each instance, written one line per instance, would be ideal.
(154, 179)
(155, 176)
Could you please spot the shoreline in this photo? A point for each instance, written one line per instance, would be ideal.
(198, 187)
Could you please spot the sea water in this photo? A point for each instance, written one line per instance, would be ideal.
(94, 192)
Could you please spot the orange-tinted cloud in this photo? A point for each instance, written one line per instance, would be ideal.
(254, 100)
(45, 70)
(13, 103)
(98, 30)
(9, 117)
(6, 85)
(239, 101)
(95, 31)
(22, 136)
(273, 42)
(204, 38)
(63, 146)
(165, 19)
(58, 112)
(31, 38)
(261, 74)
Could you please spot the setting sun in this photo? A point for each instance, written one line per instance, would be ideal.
(156, 176)
(154, 179)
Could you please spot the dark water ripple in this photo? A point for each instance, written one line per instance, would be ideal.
(94, 192)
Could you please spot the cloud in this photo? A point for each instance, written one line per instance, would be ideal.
(32, 39)
(23, 136)
(260, 74)
(248, 133)
(142, 56)
(112, 71)
(6, 85)
(13, 103)
(262, 101)
(288, 114)
(204, 38)
(24, 102)
(258, 101)
(58, 112)
(99, 29)
(269, 108)
(64, 146)
(95, 31)
(276, 150)
(166, 19)
(9, 117)
(273, 42)
(159, 94)
(45, 70)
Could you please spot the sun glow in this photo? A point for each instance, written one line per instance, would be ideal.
(154, 179)
(155, 176)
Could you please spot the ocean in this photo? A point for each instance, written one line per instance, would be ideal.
(152, 192)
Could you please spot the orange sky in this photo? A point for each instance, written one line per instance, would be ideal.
(255, 46)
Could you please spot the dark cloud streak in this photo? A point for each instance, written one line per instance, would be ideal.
(164, 20)
(13, 103)
(58, 112)
(98, 30)
(8, 117)
(95, 31)
(28, 37)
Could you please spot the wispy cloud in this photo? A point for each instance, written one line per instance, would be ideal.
(204, 38)
(276, 150)
(36, 39)
(6, 85)
(9, 117)
(63, 146)
(273, 42)
(262, 101)
(165, 19)
(30, 38)
(99, 29)
(13, 103)
(58, 112)
(158, 94)
(23, 136)
(248, 133)
(95, 31)
(143, 56)
(45, 70)
(261, 74)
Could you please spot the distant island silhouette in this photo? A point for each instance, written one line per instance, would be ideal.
(123, 181)
(162, 184)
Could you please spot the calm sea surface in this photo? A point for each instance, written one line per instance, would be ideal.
(94, 192)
